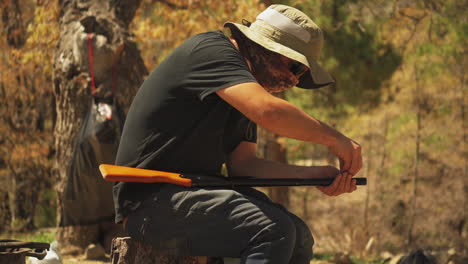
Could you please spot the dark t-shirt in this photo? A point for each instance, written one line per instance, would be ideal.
(177, 122)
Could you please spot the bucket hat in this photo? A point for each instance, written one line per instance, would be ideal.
(291, 33)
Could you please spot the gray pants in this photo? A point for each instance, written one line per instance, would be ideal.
(239, 223)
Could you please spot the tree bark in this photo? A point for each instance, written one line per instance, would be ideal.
(366, 226)
(13, 259)
(22, 118)
(414, 193)
(463, 232)
(129, 251)
(116, 64)
(381, 171)
(22, 198)
(273, 149)
(13, 23)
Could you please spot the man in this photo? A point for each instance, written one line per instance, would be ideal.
(199, 109)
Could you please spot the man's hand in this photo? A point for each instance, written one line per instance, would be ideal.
(343, 183)
(348, 152)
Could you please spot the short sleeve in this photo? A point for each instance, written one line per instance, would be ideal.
(214, 64)
(239, 128)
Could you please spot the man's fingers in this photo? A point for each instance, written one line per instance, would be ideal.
(332, 188)
(347, 164)
(353, 185)
(342, 163)
(342, 185)
(339, 184)
(348, 182)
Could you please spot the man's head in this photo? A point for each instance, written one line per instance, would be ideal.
(275, 72)
(280, 37)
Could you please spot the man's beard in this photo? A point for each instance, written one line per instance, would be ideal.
(267, 68)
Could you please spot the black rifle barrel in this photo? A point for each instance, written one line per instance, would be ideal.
(219, 181)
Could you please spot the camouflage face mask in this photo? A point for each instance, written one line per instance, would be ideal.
(271, 71)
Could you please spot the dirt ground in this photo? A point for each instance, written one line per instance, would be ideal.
(73, 260)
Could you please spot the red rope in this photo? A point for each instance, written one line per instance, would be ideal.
(91, 68)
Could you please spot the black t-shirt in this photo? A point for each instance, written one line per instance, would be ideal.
(177, 122)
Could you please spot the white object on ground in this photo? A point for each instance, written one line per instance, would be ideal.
(52, 257)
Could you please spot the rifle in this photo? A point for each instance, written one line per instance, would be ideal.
(128, 174)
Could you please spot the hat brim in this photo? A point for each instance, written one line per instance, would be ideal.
(315, 78)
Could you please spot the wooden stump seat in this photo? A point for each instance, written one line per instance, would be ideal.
(15, 252)
(125, 250)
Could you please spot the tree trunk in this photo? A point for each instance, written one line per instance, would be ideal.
(13, 259)
(128, 251)
(366, 222)
(117, 65)
(19, 115)
(381, 172)
(13, 23)
(410, 235)
(22, 199)
(463, 232)
(273, 149)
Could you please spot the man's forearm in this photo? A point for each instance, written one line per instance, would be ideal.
(278, 115)
(287, 120)
(261, 168)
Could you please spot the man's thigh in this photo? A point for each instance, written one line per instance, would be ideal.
(203, 222)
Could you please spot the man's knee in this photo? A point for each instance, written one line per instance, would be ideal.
(273, 240)
(304, 244)
(304, 236)
(285, 229)
(279, 234)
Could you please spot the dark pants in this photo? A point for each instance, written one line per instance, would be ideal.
(239, 223)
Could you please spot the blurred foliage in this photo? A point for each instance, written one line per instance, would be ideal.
(160, 26)
(395, 62)
(45, 235)
(26, 110)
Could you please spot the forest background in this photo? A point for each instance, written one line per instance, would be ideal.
(400, 92)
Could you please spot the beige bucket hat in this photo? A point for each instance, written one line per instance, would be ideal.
(291, 33)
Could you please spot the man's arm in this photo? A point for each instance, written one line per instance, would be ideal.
(243, 161)
(285, 119)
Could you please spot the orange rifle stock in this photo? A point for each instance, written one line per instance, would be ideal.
(128, 174)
